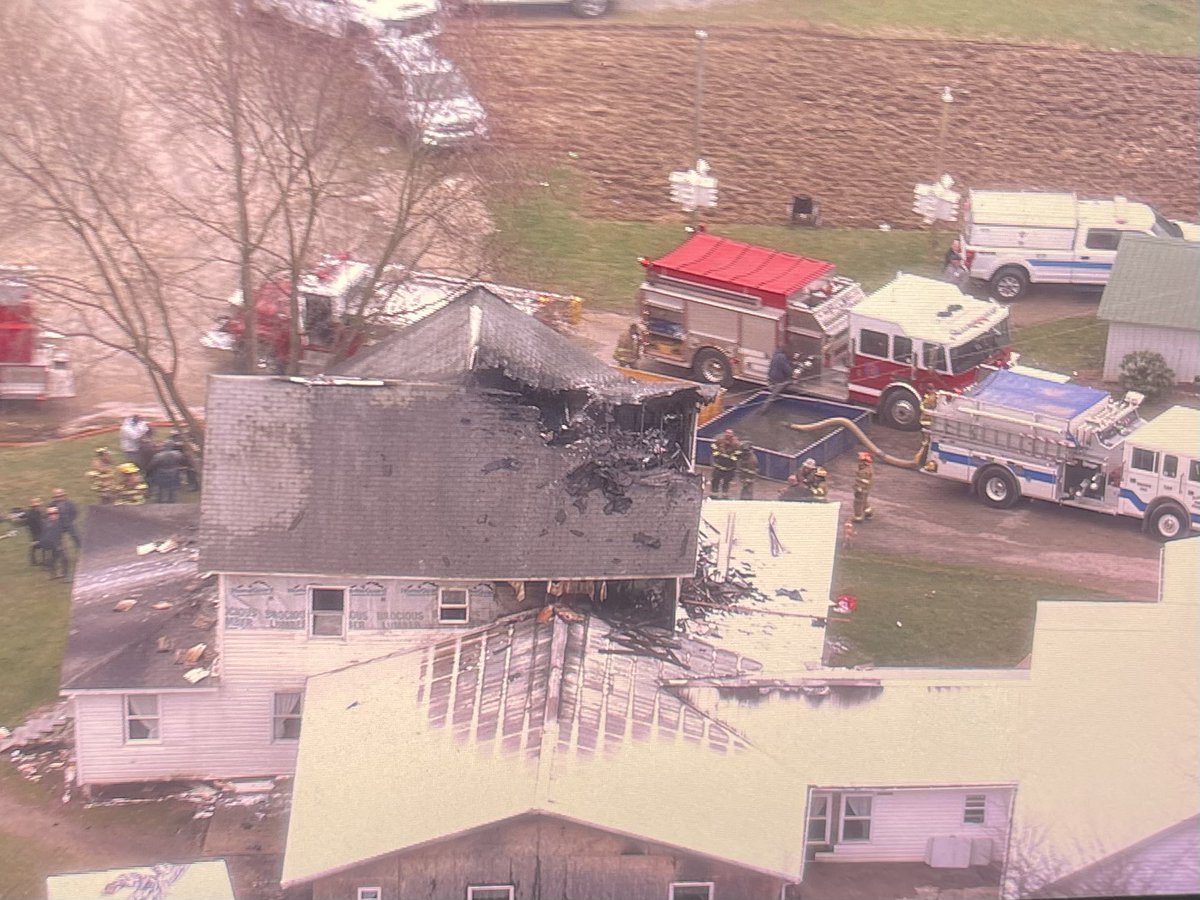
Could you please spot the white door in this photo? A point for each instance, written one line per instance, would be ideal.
(1141, 476)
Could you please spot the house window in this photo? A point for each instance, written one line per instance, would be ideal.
(328, 611)
(975, 810)
(873, 343)
(452, 604)
(1170, 466)
(856, 817)
(141, 718)
(1144, 460)
(935, 357)
(490, 892)
(370, 893)
(818, 818)
(902, 349)
(285, 724)
(691, 890)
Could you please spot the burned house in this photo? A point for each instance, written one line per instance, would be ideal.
(474, 466)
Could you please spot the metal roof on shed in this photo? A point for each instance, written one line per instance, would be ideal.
(770, 275)
(1177, 429)
(1155, 281)
(1036, 395)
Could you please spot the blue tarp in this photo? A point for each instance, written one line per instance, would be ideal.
(1035, 395)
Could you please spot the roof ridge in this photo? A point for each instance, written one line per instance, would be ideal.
(550, 723)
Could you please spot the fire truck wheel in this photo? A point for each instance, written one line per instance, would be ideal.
(1167, 522)
(901, 409)
(1010, 283)
(712, 367)
(997, 487)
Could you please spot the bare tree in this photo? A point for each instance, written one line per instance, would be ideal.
(70, 171)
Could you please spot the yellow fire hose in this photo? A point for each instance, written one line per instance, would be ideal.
(915, 463)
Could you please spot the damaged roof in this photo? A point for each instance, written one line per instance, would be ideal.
(424, 480)
(479, 331)
(116, 650)
(538, 713)
(785, 553)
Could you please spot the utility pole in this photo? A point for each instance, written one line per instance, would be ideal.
(947, 99)
(698, 121)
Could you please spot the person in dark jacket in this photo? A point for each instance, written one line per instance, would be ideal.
(163, 473)
(794, 491)
(52, 543)
(779, 371)
(68, 513)
(33, 517)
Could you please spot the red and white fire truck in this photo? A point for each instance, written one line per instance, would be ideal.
(334, 292)
(722, 308)
(33, 364)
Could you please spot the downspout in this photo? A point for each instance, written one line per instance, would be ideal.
(1012, 807)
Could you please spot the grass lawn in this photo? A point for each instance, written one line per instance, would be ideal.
(947, 615)
(1067, 345)
(1151, 26)
(33, 609)
(25, 866)
(544, 241)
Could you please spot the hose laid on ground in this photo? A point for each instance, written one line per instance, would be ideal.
(915, 463)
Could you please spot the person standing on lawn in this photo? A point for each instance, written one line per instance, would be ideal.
(52, 543)
(68, 513)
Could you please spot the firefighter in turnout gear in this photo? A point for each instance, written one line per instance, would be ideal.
(813, 478)
(725, 452)
(747, 468)
(863, 479)
(629, 346)
(130, 487)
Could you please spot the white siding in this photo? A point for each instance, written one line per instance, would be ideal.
(903, 821)
(1181, 349)
(227, 732)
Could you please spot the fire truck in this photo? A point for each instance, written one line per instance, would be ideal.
(1015, 435)
(33, 364)
(334, 292)
(722, 308)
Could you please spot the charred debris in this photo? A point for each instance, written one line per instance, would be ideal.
(621, 438)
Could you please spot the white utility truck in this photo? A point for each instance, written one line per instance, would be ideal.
(1012, 239)
(1015, 435)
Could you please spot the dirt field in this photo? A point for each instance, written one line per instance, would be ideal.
(853, 122)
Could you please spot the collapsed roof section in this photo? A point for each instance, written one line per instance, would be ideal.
(541, 713)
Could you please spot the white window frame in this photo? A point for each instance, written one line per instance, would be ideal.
(1153, 470)
(975, 804)
(370, 893)
(465, 606)
(472, 888)
(312, 613)
(828, 817)
(277, 717)
(128, 716)
(846, 798)
(692, 884)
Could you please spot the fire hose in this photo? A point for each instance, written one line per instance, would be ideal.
(915, 463)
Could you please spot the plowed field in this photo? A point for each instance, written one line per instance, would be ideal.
(853, 122)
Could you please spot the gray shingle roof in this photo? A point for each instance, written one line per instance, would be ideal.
(118, 650)
(447, 345)
(1155, 281)
(420, 480)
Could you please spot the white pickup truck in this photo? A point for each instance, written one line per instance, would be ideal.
(1012, 239)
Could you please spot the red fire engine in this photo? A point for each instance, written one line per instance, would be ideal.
(33, 366)
(722, 308)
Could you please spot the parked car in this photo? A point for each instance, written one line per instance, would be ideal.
(345, 18)
(423, 93)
